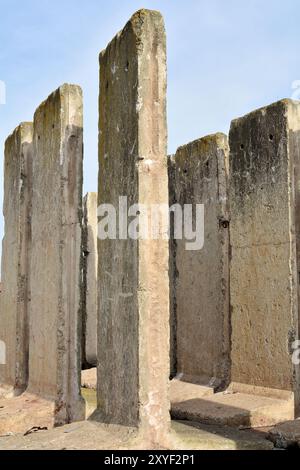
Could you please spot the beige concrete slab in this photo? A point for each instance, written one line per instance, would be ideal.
(182, 391)
(89, 279)
(55, 307)
(199, 277)
(15, 262)
(235, 409)
(264, 236)
(133, 280)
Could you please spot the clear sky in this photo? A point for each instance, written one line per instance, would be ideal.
(225, 58)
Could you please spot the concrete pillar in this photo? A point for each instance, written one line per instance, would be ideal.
(265, 233)
(198, 174)
(133, 334)
(90, 263)
(55, 323)
(172, 272)
(16, 249)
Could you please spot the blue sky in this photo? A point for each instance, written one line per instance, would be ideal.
(225, 58)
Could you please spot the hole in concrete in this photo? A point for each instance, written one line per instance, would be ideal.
(127, 66)
(185, 171)
(242, 146)
(106, 86)
(271, 137)
(224, 223)
(53, 126)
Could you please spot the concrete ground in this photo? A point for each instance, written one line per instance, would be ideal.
(22, 413)
(89, 435)
(286, 435)
(25, 423)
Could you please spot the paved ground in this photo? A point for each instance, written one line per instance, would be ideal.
(94, 436)
(286, 435)
(22, 421)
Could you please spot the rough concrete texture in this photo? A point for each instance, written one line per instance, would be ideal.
(15, 260)
(25, 412)
(195, 436)
(184, 391)
(55, 323)
(286, 435)
(94, 436)
(89, 277)
(234, 409)
(264, 198)
(199, 280)
(133, 341)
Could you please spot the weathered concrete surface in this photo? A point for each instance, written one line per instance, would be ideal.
(94, 436)
(172, 272)
(264, 198)
(89, 276)
(15, 260)
(55, 323)
(286, 435)
(20, 414)
(205, 437)
(184, 391)
(133, 293)
(234, 409)
(199, 280)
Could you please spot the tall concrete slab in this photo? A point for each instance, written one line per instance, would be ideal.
(16, 248)
(55, 323)
(199, 279)
(172, 273)
(89, 277)
(133, 292)
(265, 228)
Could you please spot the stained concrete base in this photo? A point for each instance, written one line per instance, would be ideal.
(94, 436)
(235, 409)
(20, 414)
(286, 435)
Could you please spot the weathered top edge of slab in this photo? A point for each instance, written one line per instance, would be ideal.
(219, 139)
(135, 24)
(63, 90)
(24, 131)
(283, 104)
